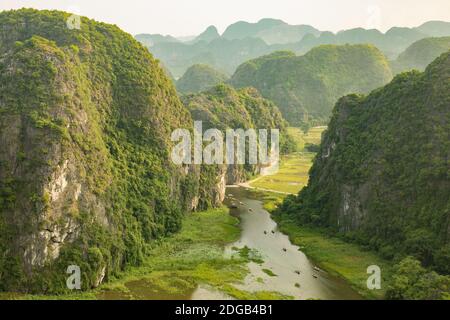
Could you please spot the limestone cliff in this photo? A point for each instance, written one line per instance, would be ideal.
(382, 175)
(85, 174)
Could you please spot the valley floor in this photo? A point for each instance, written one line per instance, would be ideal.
(340, 258)
(192, 264)
(185, 266)
(337, 257)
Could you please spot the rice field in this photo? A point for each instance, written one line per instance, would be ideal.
(293, 174)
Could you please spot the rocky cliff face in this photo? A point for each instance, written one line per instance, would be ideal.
(382, 175)
(223, 107)
(85, 175)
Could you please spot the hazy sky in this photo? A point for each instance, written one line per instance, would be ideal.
(186, 17)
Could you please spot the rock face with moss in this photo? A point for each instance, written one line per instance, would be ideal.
(199, 77)
(85, 175)
(223, 107)
(305, 88)
(382, 175)
(420, 54)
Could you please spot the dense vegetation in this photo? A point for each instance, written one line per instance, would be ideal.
(199, 78)
(411, 281)
(381, 177)
(305, 88)
(223, 107)
(85, 175)
(420, 54)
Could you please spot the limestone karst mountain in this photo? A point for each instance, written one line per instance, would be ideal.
(420, 54)
(240, 42)
(208, 35)
(85, 176)
(381, 177)
(305, 88)
(199, 78)
(223, 107)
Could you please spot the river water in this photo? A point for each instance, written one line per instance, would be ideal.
(291, 272)
(296, 275)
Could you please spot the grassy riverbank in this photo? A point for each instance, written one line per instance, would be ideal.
(340, 258)
(346, 260)
(177, 265)
(332, 254)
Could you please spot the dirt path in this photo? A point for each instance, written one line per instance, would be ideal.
(248, 186)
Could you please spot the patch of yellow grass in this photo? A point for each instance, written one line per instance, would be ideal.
(292, 176)
(314, 136)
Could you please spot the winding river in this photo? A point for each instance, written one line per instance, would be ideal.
(285, 269)
(296, 275)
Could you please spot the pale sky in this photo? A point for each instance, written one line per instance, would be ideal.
(190, 17)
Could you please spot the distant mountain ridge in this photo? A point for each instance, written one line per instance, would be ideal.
(381, 177)
(243, 41)
(271, 31)
(208, 35)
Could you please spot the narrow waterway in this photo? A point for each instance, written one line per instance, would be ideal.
(291, 272)
(285, 268)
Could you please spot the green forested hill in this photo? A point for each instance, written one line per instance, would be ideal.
(420, 54)
(305, 88)
(85, 175)
(199, 78)
(382, 176)
(223, 107)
